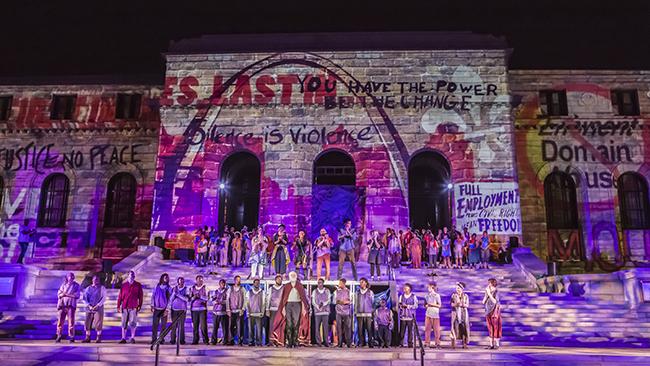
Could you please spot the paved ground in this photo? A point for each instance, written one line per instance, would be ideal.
(42, 353)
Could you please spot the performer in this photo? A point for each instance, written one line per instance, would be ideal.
(292, 315)
(408, 303)
(272, 302)
(374, 254)
(202, 250)
(224, 245)
(416, 252)
(406, 238)
(94, 296)
(213, 251)
(245, 246)
(219, 298)
(459, 245)
(446, 251)
(178, 302)
(321, 299)
(392, 242)
(342, 299)
(159, 303)
(255, 307)
(235, 311)
(302, 249)
(129, 303)
(363, 309)
(258, 258)
(280, 256)
(323, 249)
(493, 313)
(432, 303)
(433, 248)
(199, 310)
(196, 241)
(473, 255)
(383, 324)
(459, 316)
(24, 238)
(347, 239)
(485, 250)
(237, 249)
(66, 306)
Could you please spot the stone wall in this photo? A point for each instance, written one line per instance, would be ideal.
(593, 144)
(391, 105)
(89, 149)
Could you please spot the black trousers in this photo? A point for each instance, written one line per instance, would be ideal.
(404, 326)
(237, 328)
(255, 330)
(23, 250)
(199, 322)
(268, 326)
(384, 335)
(159, 322)
(180, 326)
(220, 320)
(364, 328)
(324, 321)
(344, 329)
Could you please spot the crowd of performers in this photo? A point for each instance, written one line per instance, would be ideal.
(448, 248)
(279, 316)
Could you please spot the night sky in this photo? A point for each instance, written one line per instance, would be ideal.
(58, 38)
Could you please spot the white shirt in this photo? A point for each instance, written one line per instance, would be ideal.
(293, 295)
(432, 298)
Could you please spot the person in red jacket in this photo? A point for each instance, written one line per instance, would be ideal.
(129, 302)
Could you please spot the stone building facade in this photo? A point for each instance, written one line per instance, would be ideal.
(247, 130)
(381, 107)
(601, 135)
(85, 144)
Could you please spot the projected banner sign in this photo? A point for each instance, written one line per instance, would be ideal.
(488, 206)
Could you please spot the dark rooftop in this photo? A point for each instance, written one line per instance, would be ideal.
(143, 79)
(353, 41)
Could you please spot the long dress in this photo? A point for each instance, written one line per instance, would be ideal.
(459, 317)
(446, 248)
(416, 252)
(474, 255)
(493, 314)
(280, 256)
(394, 250)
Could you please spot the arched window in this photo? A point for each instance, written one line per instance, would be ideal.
(334, 168)
(633, 198)
(239, 191)
(120, 201)
(428, 177)
(54, 201)
(560, 199)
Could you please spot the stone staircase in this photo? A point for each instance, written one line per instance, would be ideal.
(529, 318)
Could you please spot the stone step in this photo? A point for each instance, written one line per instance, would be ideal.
(112, 354)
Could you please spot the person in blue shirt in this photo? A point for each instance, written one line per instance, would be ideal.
(485, 250)
(347, 243)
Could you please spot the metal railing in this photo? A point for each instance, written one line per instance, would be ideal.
(417, 340)
(179, 318)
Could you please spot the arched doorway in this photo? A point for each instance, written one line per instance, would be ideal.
(429, 175)
(563, 234)
(239, 191)
(334, 192)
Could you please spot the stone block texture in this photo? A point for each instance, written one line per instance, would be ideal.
(593, 143)
(89, 148)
